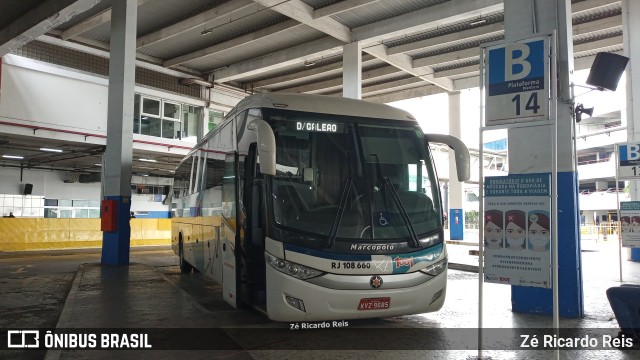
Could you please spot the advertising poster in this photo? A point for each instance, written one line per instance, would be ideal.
(517, 230)
(630, 223)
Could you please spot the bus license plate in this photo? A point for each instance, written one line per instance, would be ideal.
(374, 303)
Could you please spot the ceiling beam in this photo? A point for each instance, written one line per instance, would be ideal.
(440, 41)
(47, 15)
(427, 18)
(338, 82)
(240, 41)
(340, 7)
(597, 25)
(424, 90)
(90, 23)
(591, 4)
(211, 18)
(447, 57)
(593, 45)
(326, 46)
(391, 86)
(469, 69)
(309, 73)
(303, 13)
(404, 62)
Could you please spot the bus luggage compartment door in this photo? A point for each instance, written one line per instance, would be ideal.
(228, 240)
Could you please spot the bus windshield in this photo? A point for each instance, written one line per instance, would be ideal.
(352, 178)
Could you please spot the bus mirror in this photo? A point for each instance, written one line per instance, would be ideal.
(266, 146)
(460, 150)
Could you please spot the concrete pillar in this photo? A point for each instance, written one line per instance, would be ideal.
(630, 38)
(456, 191)
(530, 152)
(117, 164)
(352, 71)
(601, 185)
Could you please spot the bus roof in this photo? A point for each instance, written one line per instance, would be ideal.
(324, 104)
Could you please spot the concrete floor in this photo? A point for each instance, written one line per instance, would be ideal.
(54, 290)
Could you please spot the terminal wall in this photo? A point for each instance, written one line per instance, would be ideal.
(22, 234)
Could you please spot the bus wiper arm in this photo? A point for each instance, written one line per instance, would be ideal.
(403, 212)
(348, 182)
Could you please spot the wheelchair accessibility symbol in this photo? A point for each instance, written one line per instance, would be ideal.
(383, 218)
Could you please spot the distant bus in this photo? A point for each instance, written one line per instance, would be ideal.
(311, 207)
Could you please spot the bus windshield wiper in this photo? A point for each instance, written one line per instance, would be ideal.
(348, 182)
(403, 212)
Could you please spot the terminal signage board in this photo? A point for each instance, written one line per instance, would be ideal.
(517, 82)
(517, 230)
(630, 223)
(629, 161)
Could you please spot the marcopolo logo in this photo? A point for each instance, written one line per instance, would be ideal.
(20, 339)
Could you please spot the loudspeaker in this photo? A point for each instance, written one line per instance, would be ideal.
(606, 70)
(27, 189)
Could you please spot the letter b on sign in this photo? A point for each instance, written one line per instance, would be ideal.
(516, 65)
(633, 152)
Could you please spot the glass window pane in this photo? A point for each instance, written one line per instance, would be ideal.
(64, 203)
(136, 114)
(50, 202)
(151, 106)
(191, 122)
(65, 214)
(80, 203)
(150, 126)
(170, 129)
(81, 213)
(215, 118)
(50, 213)
(93, 203)
(171, 110)
(94, 213)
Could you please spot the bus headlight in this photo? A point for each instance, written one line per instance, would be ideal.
(436, 268)
(292, 269)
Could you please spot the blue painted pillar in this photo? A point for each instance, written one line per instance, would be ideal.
(530, 152)
(118, 155)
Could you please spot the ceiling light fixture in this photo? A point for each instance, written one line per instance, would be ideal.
(309, 63)
(96, 164)
(206, 32)
(478, 22)
(13, 157)
(147, 160)
(51, 150)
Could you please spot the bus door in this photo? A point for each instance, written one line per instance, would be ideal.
(251, 234)
(228, 231)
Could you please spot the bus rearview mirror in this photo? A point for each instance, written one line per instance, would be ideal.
(461, 153)
(266, 146)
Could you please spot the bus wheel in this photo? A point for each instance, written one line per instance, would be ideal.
(185, 267)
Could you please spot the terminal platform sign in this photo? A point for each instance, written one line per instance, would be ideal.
(629, 161)
(517, 82)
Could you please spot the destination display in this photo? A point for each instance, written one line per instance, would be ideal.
(318, 126)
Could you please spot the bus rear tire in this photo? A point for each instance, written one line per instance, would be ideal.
(185, 267)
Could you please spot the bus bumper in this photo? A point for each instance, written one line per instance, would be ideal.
(322, 303)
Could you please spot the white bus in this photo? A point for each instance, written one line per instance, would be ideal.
(315, 208)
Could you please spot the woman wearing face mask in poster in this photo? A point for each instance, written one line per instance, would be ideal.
(539, 227)
(625, 224)
(493, 231)
(515, 229)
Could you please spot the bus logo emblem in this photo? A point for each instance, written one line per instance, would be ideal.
(375, 281)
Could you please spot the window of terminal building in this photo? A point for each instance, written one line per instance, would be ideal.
(215, 118)
(166, 119)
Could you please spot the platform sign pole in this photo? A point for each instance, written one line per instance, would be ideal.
(617, 152)
(554, 189)
(481, 206)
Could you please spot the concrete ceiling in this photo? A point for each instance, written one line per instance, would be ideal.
(411, 48)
